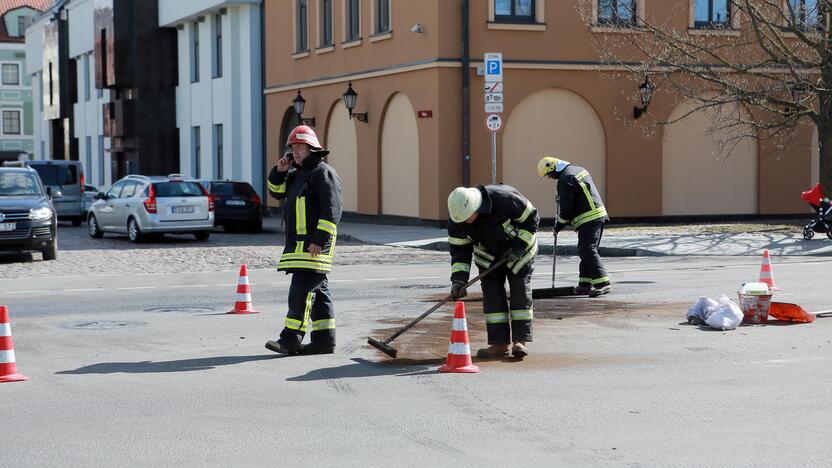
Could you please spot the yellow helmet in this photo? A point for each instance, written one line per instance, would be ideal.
(463, 202)
(549, 164)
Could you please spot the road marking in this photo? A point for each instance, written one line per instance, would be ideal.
(135, 288)
(26, 292)
(187, 286)
(83, 290)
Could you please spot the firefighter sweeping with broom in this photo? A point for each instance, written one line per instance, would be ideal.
(580, 205)
(490, 223)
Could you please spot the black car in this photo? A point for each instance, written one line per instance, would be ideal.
(28, 220)
(236, 205)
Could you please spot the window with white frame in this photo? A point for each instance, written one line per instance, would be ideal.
(302, 26)
(196, 151)
(194, 52)
(617, 12)
(218, 151)
(804, 14)
(217, 46)
(88, 154)
(353, 20)
(712, 14)
(325, 23)
(86, 65)
(382, 16)
(11, 122)
(22, 23)
(11, 74)
(514, 11)
(101, 180)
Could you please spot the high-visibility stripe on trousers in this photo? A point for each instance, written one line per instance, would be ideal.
(591, 269)
(508, 317)
(310, 308)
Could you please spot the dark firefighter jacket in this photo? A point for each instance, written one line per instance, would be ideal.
(312, 210)
(580, 201)
(506, 221)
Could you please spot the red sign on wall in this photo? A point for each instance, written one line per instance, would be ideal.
(424, 114)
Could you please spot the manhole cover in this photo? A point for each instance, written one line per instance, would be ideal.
(176, 309)
(101, 325)
(422, 286)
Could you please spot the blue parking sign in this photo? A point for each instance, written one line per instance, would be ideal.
(493, 62)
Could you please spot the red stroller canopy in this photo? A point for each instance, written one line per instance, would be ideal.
(814, 196)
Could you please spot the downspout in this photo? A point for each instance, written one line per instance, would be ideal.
(263, 124)
(466, 95)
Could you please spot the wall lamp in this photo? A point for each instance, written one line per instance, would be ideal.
(350, 98)
(645, 92)
(300, 104)
(799, 93)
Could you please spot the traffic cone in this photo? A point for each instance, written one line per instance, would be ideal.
(459, 352)
(243, 303)
(766, 275)
(8, 368)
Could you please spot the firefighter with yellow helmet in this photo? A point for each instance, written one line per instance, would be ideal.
(488, 223)
(580, 206)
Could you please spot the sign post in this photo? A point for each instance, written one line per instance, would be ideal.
(493, 62)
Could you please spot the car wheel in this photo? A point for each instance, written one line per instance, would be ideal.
(51, 252)
(94, 230)
(202, 236)
(134, 233)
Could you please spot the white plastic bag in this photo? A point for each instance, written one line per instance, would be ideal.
(699, 311)
(724, 316)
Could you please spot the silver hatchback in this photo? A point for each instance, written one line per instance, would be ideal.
(140, 206)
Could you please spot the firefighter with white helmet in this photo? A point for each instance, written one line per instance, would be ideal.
(311, 191)
(488, 223)
(581, 206)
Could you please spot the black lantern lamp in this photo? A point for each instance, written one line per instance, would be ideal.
(350, 99)
(300, 104)
(645, 92)
(798, 94)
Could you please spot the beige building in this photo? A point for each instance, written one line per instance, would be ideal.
(405, 59)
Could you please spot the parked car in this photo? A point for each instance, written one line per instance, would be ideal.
(90, 192)
(140, 206)
(28, 220)
(237, 205)
(63, 175)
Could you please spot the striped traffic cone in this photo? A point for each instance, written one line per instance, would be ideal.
(243, 303)
(766, 275)
(459, 352)
(8, 368)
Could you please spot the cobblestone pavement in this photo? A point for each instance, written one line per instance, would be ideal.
(81, 255)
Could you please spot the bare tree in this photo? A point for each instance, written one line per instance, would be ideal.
(761, 68)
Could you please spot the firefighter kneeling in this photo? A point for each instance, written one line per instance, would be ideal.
(488, 223)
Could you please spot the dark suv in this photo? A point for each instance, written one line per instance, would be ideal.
(28, 220)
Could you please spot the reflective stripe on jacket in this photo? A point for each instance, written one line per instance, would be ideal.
(506, 220)
(580, 201)
(311, 211)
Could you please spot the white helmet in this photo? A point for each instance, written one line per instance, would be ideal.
(463, 202)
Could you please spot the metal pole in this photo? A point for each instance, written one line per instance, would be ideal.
(493, 157)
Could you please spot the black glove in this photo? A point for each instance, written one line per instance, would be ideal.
(458, 290)
(559, 227)
(513, 254)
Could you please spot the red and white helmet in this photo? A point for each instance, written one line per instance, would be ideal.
(305, 134)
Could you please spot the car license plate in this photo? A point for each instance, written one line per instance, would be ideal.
(235, 202)
(4, 227)
(183, 209)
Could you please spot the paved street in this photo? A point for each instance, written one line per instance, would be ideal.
(133, 361)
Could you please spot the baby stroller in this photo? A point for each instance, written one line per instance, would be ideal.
(823, 208)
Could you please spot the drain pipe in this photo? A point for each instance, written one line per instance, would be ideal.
(466, 95)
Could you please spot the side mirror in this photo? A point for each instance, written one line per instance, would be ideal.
(54, 193)
(100, 196)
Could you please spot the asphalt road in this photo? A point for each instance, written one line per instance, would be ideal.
(146, 369)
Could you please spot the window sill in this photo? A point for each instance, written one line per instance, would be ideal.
(300, 55)
(517, 26)
(381, 36)
(713, 32)
(607, 29)
(325, 50)
(347, 45)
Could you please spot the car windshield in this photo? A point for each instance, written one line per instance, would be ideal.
(231, 188)
(57, 175)
(177, 189)
(18, 184)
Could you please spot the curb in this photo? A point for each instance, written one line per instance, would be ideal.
(567, 250)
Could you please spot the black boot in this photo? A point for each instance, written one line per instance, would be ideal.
(317, 348)
(281, 348)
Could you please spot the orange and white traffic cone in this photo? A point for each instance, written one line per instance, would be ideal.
(766, 275)
(243, 303)
(459, 351)
(8, 368)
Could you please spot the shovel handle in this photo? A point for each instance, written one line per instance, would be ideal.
(418, 319)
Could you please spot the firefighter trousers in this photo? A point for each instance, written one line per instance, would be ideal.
(591, 269)
(310, 308)
(509, 318)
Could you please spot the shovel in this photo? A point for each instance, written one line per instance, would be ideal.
(794, 313)
(548, 293)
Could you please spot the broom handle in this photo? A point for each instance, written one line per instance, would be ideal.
(555, 235)
(444, 301)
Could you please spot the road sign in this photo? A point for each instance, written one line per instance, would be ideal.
(493, 122)
(493, 67)
(493, 107)
(494, 97)
(496, 87)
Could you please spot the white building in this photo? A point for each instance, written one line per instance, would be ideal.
(219, 98)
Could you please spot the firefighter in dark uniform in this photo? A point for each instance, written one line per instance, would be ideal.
(581, 206)
(488, 223)
(311, 191)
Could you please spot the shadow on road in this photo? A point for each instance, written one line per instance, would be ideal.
(365, 368)
(149, 367)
